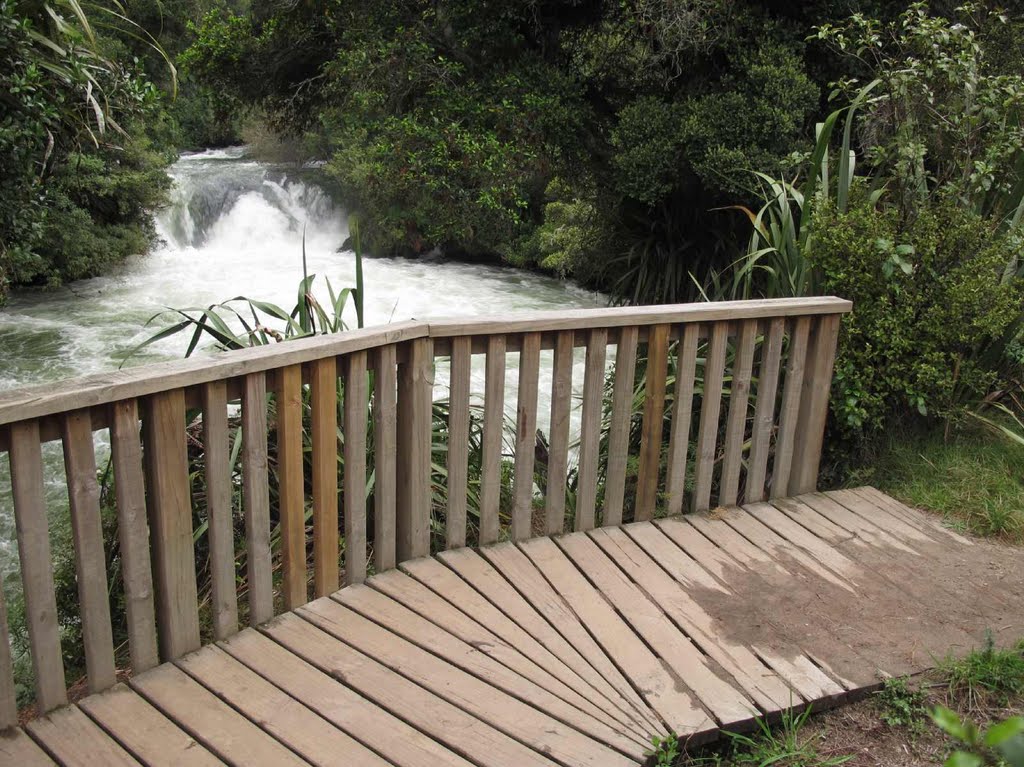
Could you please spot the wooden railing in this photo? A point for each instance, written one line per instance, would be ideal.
(754, 375)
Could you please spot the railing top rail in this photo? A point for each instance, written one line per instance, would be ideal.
(90, 391)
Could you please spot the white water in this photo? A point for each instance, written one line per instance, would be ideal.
(234, 227)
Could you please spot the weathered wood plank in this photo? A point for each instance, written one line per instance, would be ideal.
(133, 535)
(33, 533)
(17, 748)
(682, 414)
(494, 426)
(256, 498)
(144, 731)
(8, 698)
(789, 415)
(558, 433)
(356, 409)
(736, 421)
(415, 403)
(217, 459)
(817, 386)
(458, 442)
(710, 410)
(323, 403)
(291, 486)
(169, 504)
(653, 421)
(590, 430)
(385, 471)
(764, 410)
(74, 740)
(90, 559)
(316, 682)
(621, 420)
(526, 437)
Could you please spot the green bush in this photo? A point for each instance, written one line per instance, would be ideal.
(932, 309)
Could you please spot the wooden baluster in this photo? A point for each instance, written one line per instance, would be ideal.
(133, 535)
(590, 433)
(817, 386)
(8, 699)
(526, 437)
(169, 503)
(323, 399)
(789, 416)
(458, 442)
(736, 424)
(558, 433)
(26, 459)
(711, 405)
(291, 489)
(385, 443)
(764, 410)
(682, 413)
(217, 458)
(621, 418)
(415, 424)
(356, 408)
(256, 499)
(90, 559)
(494, 426)
(654, 414)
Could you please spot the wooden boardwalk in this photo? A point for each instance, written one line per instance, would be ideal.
(573, 650)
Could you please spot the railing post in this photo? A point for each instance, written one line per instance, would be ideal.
(415, 422)
(817, 385)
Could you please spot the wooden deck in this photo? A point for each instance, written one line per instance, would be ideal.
(571, 650)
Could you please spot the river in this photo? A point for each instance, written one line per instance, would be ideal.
(234, 226)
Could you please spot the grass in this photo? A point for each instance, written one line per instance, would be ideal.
(975, 479)
(901, 704)
(990, 674)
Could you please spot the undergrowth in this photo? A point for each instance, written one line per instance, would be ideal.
(989, 675)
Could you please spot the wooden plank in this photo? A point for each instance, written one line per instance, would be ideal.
(621, 421)
(715, 561)
(682, 414)
(458, 442)
(817, 386)
(143, 730)
(866, 509)
(494, 426)
(913, 516)
(448, 716)
(323, 403)
(818, 524)
(764, 410)
(8, 697)
(789, 415)
(90, 559)
(135, 382)
(74, 740)
(730, 541)
(385, 442)
(765, 687)
(845, 519)
(527, 725)
(256, 499)
(659, 542)
(209, 720)
(710, 409)
(653, 422)
(509, 561)
(356, 409)
(515, 652)
(17, 748)
(736, 421)
(281, 663)
(520, 625)
(663, 691)
(558, 433)
(33, 534)
(275, 712)
(133, 535)
(415, 404)
(590, 430)
(291, 486)
(217, 460)
(526, 438)
(169, 505)
(442, 643)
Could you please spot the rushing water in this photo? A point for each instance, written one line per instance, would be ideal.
(234, 227)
